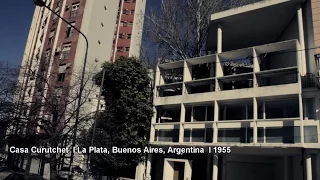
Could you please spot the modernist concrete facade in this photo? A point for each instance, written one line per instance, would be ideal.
(258, 94)
(55, 49)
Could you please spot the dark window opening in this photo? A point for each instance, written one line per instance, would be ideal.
(61, 77)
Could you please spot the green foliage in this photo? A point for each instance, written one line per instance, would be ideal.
(125, 122)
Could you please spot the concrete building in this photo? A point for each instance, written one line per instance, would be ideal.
(258, 94)
(55, 49)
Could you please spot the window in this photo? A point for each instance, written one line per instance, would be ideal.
(122, 23)
(61, 77)
(62, 68)
(127, 1)
(127, 49)
(58, 92)
(47, 55)
(55, 20)
(129, 36)
(32, 75)
(44, 23)
(65, 51)
(59, 3)
(51, 36)
(41, 37)
(70, 30)
(50, 40)
(55, 16)
(132, 11)
(74, 10)
(121, 36)
(130, 23)
(124, 11)
(119, 49)
(62, 72)
(57, 10)
(75, 6)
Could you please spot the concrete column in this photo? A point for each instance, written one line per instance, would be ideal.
(224, 118)
(187, 76)
(153, 121)
(212, 74)
(219, 39)
(285, 168)
(158, 79)
(264, 115)
(302, 67)
(301, 118)
(215, 167)
(182, 120)
(305, 109)
(219, 72)
(216, 119)
(255, 117)
(256, 65)
(140, 171)
(308, 167)
(148, 168)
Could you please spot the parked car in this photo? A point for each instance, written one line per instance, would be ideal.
(23, 176)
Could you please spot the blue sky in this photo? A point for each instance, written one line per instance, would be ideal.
(15, 22)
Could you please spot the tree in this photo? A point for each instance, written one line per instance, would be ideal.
(179, 29)
(45, 114)
(8, 80)
(125, 121)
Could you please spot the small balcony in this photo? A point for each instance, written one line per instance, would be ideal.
(73, 13)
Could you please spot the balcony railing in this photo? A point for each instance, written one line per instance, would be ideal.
(269, 131)
(73, 13)
(310, 81)
(247, 68)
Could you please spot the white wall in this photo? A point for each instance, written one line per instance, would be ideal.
(98, 25)
(309, 37)
(96, 13)
(136, 38)
(292, 32)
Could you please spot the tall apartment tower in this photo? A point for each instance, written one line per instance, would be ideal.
(255, 105)
(128, 30)
(54, 48)
(113, 29)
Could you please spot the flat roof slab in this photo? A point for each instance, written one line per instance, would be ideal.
(252, 25)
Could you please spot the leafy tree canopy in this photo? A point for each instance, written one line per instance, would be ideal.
(125, 122)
